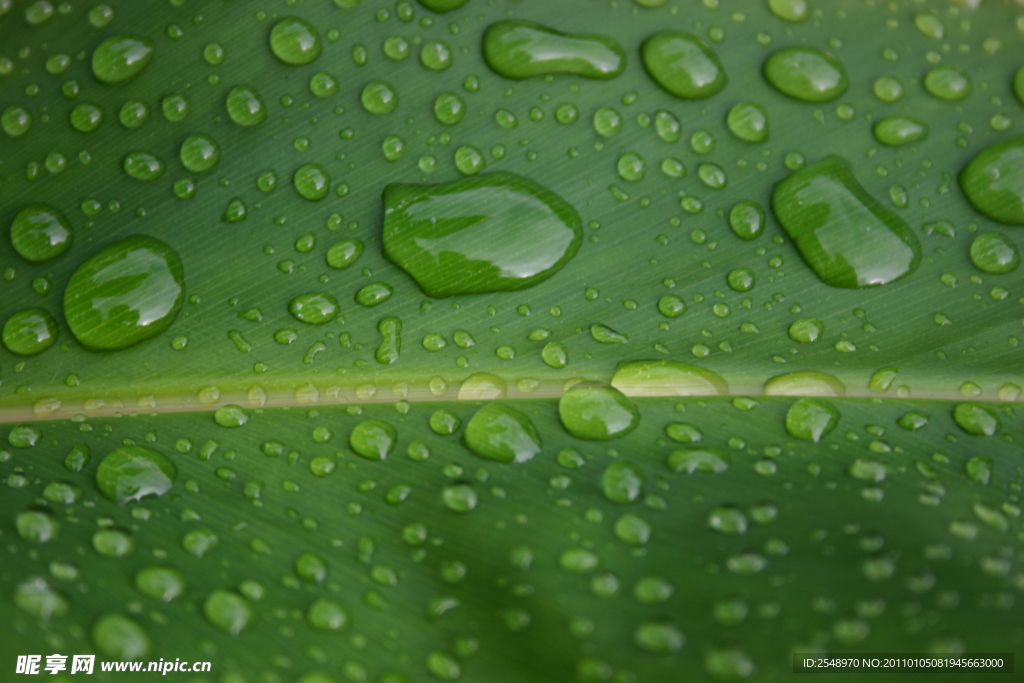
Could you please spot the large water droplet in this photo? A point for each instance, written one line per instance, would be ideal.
(804, 383)
(36, 526)
(977, 419)
(441, 6)
(379, 97)
(522, 49)
(848, 238)
(143, 166)
(40, 599)
(502, 433)
(806, 73)
(118, 637)
(994, 181)
(295, 41)
(127, 293)
(597, 413)
(811, 419)
(199, 153)
(487, 233)
(133, 472)
(121, 57)
(666, 378)
(747, 219)
(227, 611)
(683, 64)
(995, 253)
(373, 439)
(29, 332)
(948, 83)
(790, 10)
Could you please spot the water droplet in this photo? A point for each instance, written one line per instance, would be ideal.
(227, 611)
(86, 117)
(867, 470)
(811, 419)
(199, 153)
(667, 126)
(948, 83)
(632, 530)
(653, 590)
(459, 497)
(231, 416)
(994, 181)
(373, 294)
(607, 122)
(449, 108)
(666, 378)
(326, 615)
(441, 664)
(344, 253)
(994, 252)
(680, 432)
(40, 599)
(16, 121)
(134, 472)
(133, 114)
(747, 219)
(622, 482)
(606, 335)
(24, 436)
(120, 58)
(312, 182)
(311, 567)
(295, 41)
(896, 131)
(748, 121)
(323, 85)
(127, 293)
(882, 379)
(579, 560)
(436, 55)
(806, 330)
(160, 583)
(979, 469)
(790, 10)
(658, 637)
(143, 166)
(692, 460)
(806, 73)
(502, 433)
(199, 542)
(520, 233)
(315, 308)
(444, 422)
(804, 383)
(632, 167)
(113, 543)
(741, 280)
(245, 106)
(728, 519)
(29, 332)
(683, 65)
(977, 419)
(555, 355)
(373, 439)
(118, 637)
(522, 49)
(36, 526)
(595, 412)
(728, 663)
(379, 97)
(848, 238)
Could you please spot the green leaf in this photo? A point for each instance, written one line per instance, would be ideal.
(509, 341)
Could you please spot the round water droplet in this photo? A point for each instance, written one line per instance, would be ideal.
(806, 73)
(295, 41)
(311, 567)
(748, 121)
(900, 130)
(29, 332)
(948, 83)
(344, 253)
(323, 85)
(444, 422)
(326, 615)
(671, 306)
(790, 10)
(133, 114)
(555, 355)
(811, 419)
(245, 106)
(379, 97)
(315, 308)
(160, 583)
(40, 599)
(622, 482)
(443, 666)
(632, 530)
(459, 497)
(199, 153)
(683, 64)
(747, 220)
(227, 611)
(486, 233)
(523, 49)
(993, 252)
(977, 419)
(741, 279)
(40, 233)
(888, 89)
(728, 520)
(118, 637)
(728, 664)
(134, 472)
(469, 160)
(231, 416)
(502, 433)
(994, 181)
(36, 526)
(16, 121)
(312, 182)
(632, 167)
(597, 413)
(113, 543)
(120, 58)
(579, 560)
(143, 166)
(86, 117)
(653, 590)
(658, 637)
(24, 436)
(607, 122)
(449, 108)
(436, 55)
(806, 330)
(373, 439)
(127, 293)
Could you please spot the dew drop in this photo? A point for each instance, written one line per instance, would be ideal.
(598, 413)
(502, 433)
(130, 473)
(227, 611)
(522, 49)
(806, 74)
(683, 65)
(120, 58)
(295, 41)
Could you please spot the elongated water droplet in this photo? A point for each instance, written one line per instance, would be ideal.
(597, 413)
(994, 181)
(666, 378)
(390, 329)
(805, 383)
(487, 233)
(900, 130)
(683, 65)
(806, 73)
(502, 433)
(131, 473)
(344, 253)
(977, 419)
(948, 83)
(120, 58)
(127, 293)
(690, 460)
(441, 6)
(659, 637)
(315, 308)
(790, 10)
(848, 238)
(143, 166)
(522, 49)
